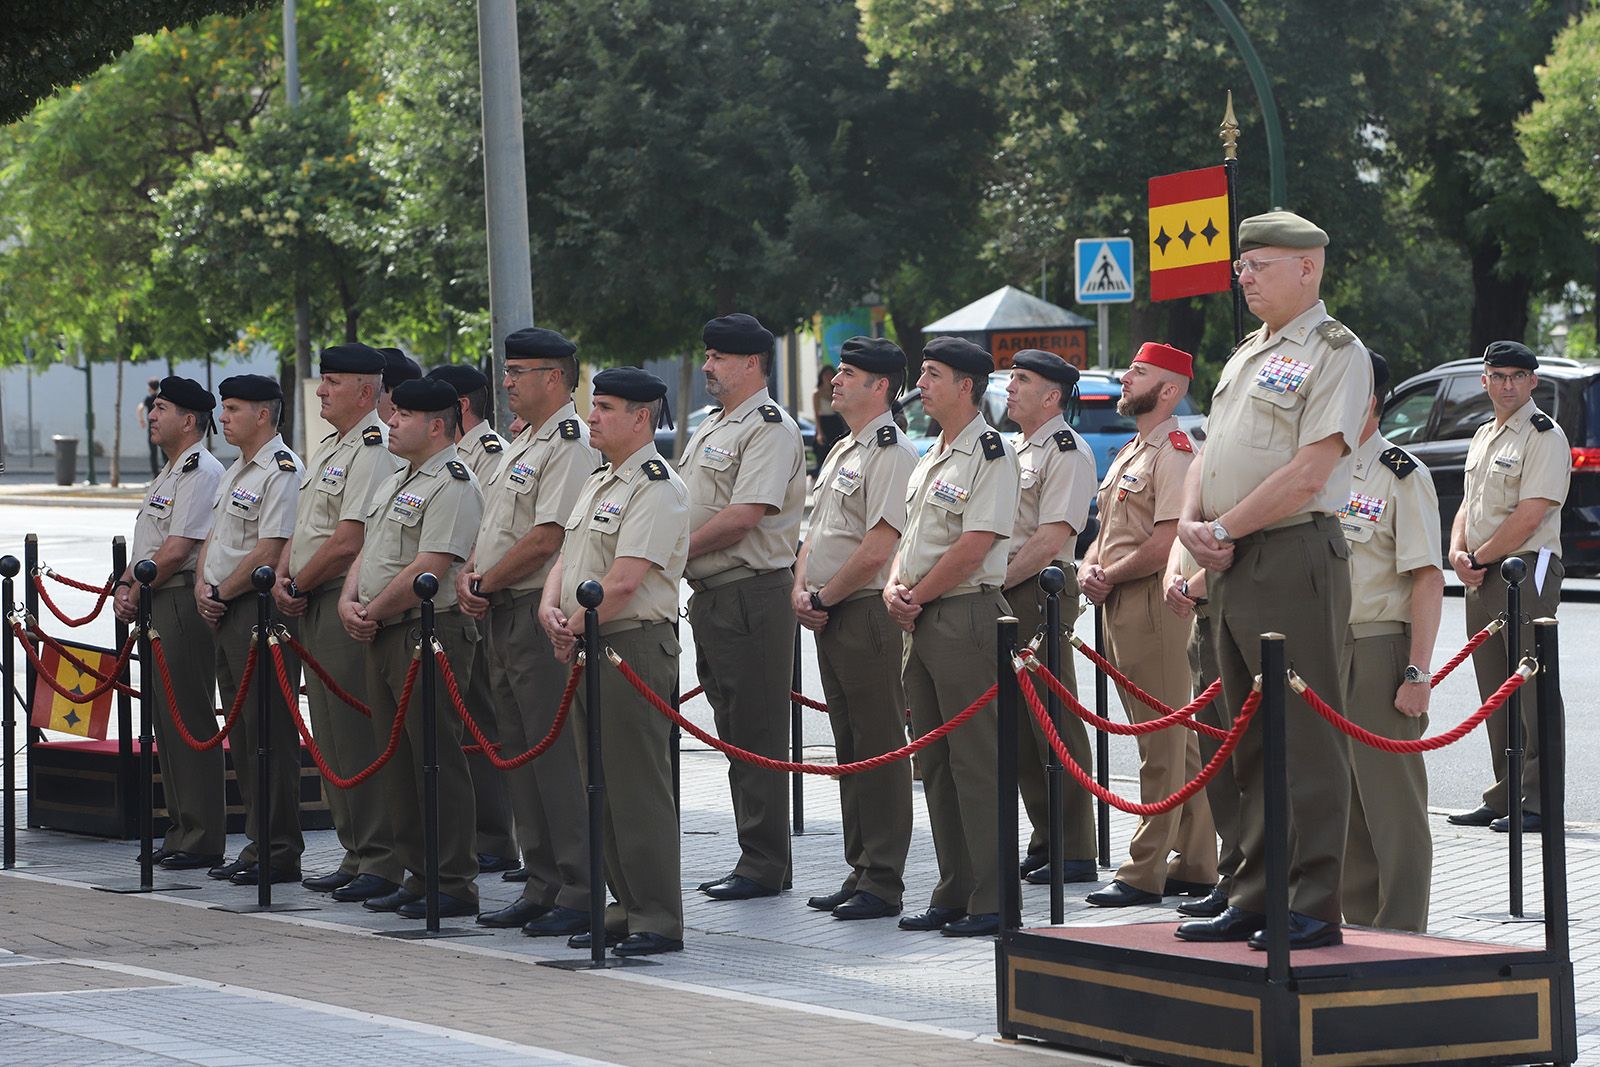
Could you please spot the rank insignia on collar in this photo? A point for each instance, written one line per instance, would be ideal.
(770, 413)
(372, 436)
(1064, 441)
(192, 462)
(492, 444)
(1336, 333)
(1398, 460)
(654, 469)
(285, 459)
(458, 470)
(993, 447)
(1541, 421)
(568, 430)
(1180, 441)
(887, 435)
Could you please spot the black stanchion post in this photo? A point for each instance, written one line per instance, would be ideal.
(675, 738)
(1513, 570)
(10, 567)
(797, 744)
(426, 586)
(1552, 807)
(1052, 580)
(590, 595)
(1102, 743)
(30, 601)
(145, 571)
(1275, 794)
(1006, 773)
(125, 764)
(263, 579)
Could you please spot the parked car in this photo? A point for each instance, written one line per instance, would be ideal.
(667, 438)
(1434, 415)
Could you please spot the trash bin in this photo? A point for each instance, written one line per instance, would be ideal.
(66, 459)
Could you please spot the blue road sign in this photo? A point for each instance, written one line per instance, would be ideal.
(1105, 270)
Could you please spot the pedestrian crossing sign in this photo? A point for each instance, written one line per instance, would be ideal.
(1105, 270)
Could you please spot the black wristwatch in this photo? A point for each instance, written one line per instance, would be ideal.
(122, 582)
(1472, 558)
(294, 591)
(817, 604)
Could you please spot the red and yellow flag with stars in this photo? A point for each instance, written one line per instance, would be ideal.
(52, 711)
(1189, 241)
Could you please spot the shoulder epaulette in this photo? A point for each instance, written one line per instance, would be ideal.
(1541, 421)
(770, 413)
(1064, 440)
(568, 430)
(1336, 333)
(285, 459)
(192, 462)
(887, 435)
(993, 447)
(458, 470)
(372, 436)
(1398, 460)
(655, 470)
(1180, 441)
(492, 444)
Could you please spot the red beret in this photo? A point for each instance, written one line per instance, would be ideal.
(1167, 358)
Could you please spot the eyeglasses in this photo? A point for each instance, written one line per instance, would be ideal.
(1509, 379)
(1254, 266)
(517, 372)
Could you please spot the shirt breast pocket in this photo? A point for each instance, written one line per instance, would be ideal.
(1504, 480)
(1030, 478)
(715, 458)
(1272, 418)
(1358, 531)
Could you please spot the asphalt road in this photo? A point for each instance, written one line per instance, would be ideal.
(76, 542)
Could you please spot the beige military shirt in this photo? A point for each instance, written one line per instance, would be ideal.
(1144, 486)
(257, 499)
(1392, 524)
(481, 449)
(339, 483)
(970, 486)
(862, 482)
(178, 504)
(1525, 458)
(1056, 486)
(750, 455)
(1310, 380)
(434, 508)
(537, 481)
(640, 509)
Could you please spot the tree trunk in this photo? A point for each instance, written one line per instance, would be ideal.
(680, 423)
(1186, 322)
(1499, 303)
(116, 425)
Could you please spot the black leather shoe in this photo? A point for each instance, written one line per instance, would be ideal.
(1531, 823)
(155, 857)
(1032, 862)
(738, 887)
(1120, 894)
(390, 901)
(973, 926)
(831, 901)
(864, 905)
(1071, 871)
(1481, 816)
(327, 883)
(363, 887)
(224, 872)
(515, 874)
(703, 886)
(558, 922)
(251, 875)
(1234, 924)
(489, 863)
(1177, 887)
(1304, 932)
(449, 908)
(517, 913)
(189, 861)
(646, 944)
(1214, 904)
(934, 918)
(584, 940)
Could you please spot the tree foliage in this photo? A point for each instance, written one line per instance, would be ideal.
(1561, 132)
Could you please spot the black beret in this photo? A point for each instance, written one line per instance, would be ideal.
(398, 367)
(352, 358)
(1046, 365)
(1380, 375)
(877, 355)
(253, 387)
(630, 383)
(737, 335)
(535, 342)
(462, 377)
(959, 353)
(1509, 354)
(424, 394)
(186, 393)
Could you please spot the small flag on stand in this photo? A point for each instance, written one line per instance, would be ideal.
(52, 711)
(1189, 234)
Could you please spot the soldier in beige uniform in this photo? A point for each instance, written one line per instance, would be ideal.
(1392, 524)
(254, 518)
(856, 522)
(527, 500)
(482, 450)
(629, 532)
(1056, 488)
(422, 520)
(1259, 515)
(944, 590)
(1519, 468)
(745, 469)
(172, 522)
(1141, 499)
(329, 526)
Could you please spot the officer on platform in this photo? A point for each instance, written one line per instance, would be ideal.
(629, 532)
(1259, 515)
(1519, 468)
(527, 499)
(254, 517)
(856, 523)
(173, 520)
(1057, 486)
(423, 519)
(1392, 524)
(397, 367)
(944, 590)
(745, 469)
(330, 523)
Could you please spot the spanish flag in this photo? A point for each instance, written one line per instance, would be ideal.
(1190, 246)
(52, 711)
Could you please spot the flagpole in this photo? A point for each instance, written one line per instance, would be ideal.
(1229, 132)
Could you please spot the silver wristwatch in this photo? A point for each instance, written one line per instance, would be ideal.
(1417, 676)
(1220, 533)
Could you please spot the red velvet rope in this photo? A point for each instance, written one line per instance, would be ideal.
(172, 698)
(321, 672)
(1224, 752)
(103, 590)
(107, 680)
(44, 595)
(1126, 685)
(1425, 744)
(794, 695)
(1181, 717)
(329, 775)
(831, 770)
(488, 747)
(1460, 657)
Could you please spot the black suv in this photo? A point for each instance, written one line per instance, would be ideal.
(1435, 414)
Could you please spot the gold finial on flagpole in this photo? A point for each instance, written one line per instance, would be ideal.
(1229, 131)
